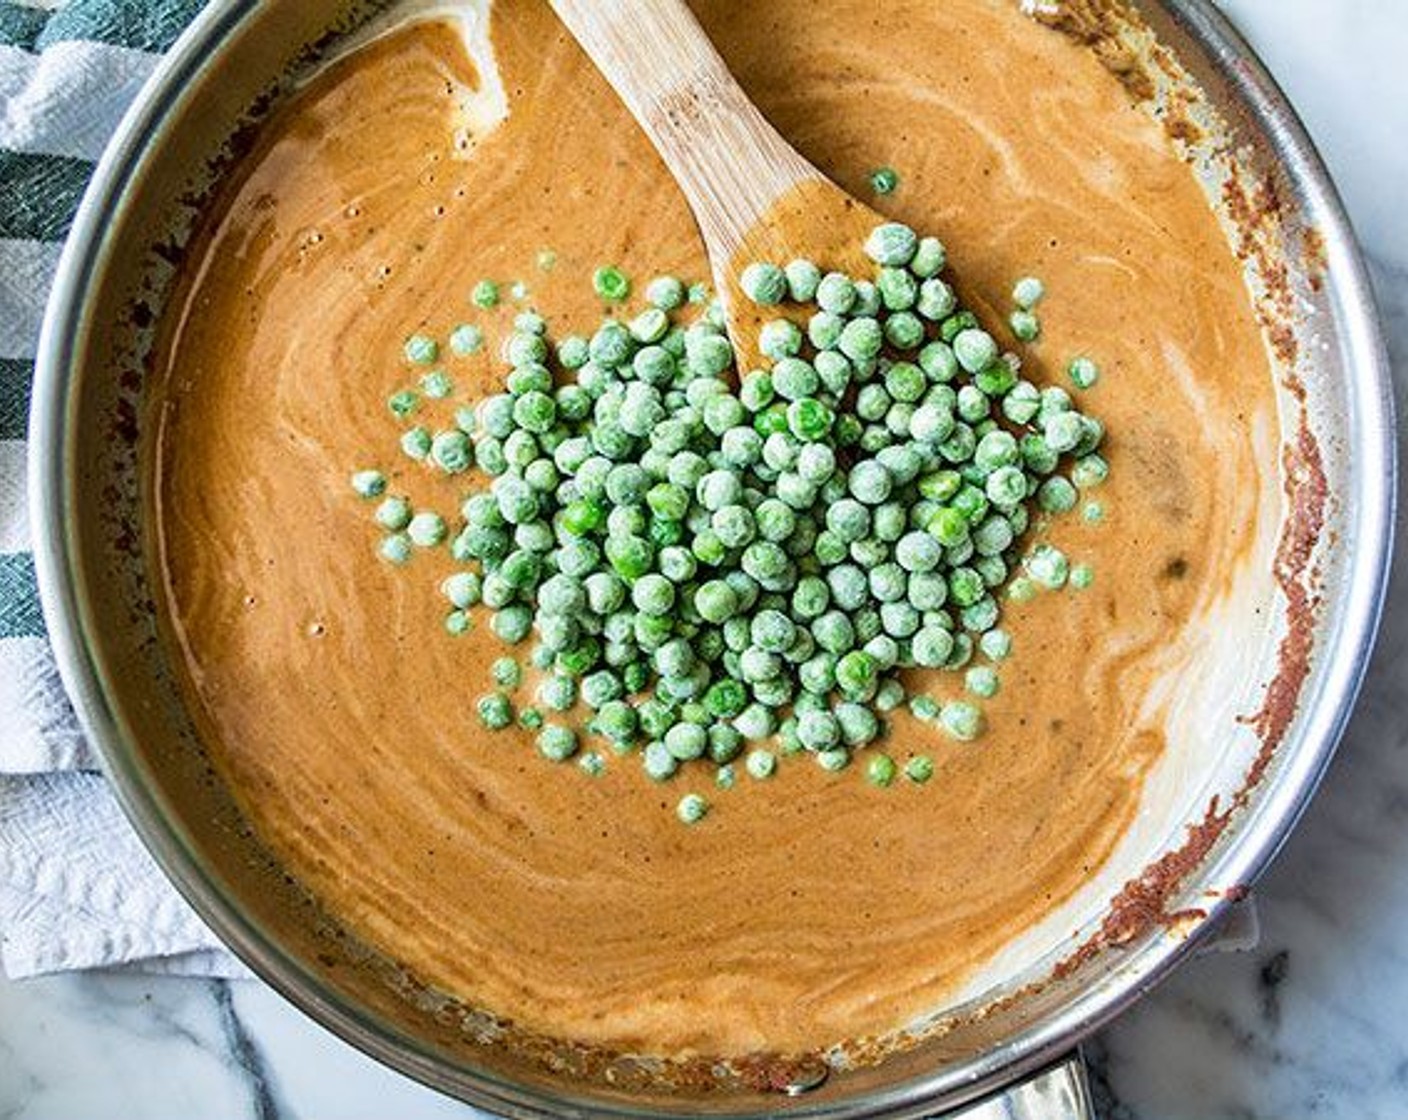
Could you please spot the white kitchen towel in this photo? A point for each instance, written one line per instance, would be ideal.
(77, 889)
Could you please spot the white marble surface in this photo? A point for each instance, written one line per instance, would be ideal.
(1312, 1023)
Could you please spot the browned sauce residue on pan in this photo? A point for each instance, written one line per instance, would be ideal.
(1262, 243)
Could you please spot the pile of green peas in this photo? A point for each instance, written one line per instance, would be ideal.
(707, 563)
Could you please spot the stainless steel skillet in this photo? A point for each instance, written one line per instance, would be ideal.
(87, 445)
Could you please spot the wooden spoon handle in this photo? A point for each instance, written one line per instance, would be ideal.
(731, 164)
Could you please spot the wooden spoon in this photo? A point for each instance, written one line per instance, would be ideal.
(755, 197)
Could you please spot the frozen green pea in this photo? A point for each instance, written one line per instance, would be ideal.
(494, 710)
(451, 451)
(1028, 292)
(611, 345)
(993, 536)
(512, 624)
(1025, 325)
(573, 352)
(725, 699)
(884, 180)
(1063, 431)
(1093, 512)
(692, 808)
(974, 348)
(924, 708)
(981, 680)
(756, 391)
(653, 594)
(889, 696)
(395, 548)
(421, 349)
(891, 244)
(658, 763)
(649, 326)
(1006, 486)
(557, 743)
(919, 769)
(818, 730)
(686, 741)
(1047, 566)
(905, 381)
(755, 722)
(903, 330)
(507, 672)
(485, 294)
(1038, 455)
(665, 293)
(961, 719)
(898, 289)
(1089, 470)
(824, 330)
(616, 720)
(393, 514)
(415, 443)
(466, 339)
(462, 589)
(809, 419)
(403, 402)
(707, 354)
(833, 760)
(793, 379)
(763, 283)
(592, 764)
(1056, 495)
(856, 673)
(802, 279)
(369, 484)
(1021, 403)
(436, 385)
(836, 293)
(780, 338)
(938, 362)
(1083, 373)
(870, 482)
(880, 770)
(1082, 576)
(929, 258)
(426, 529)
(936, 300)
(931, 647)
(858, 723)
(611, 284)
(996, 645)
(861, 339)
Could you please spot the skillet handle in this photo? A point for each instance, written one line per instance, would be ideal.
(1059, 1092)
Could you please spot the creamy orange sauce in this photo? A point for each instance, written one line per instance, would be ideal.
(806, 910)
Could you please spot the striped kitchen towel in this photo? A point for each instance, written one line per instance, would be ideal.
(77, 890)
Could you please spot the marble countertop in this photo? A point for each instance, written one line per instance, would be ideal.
(1312, 1022)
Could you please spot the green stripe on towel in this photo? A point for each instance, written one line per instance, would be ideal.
(39, 194)
(15, 378)
(144, 25)
(20, 616)
(20, 26)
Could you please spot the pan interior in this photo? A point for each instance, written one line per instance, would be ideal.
(156, 755)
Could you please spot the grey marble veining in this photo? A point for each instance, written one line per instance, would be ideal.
(1313, 1023)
